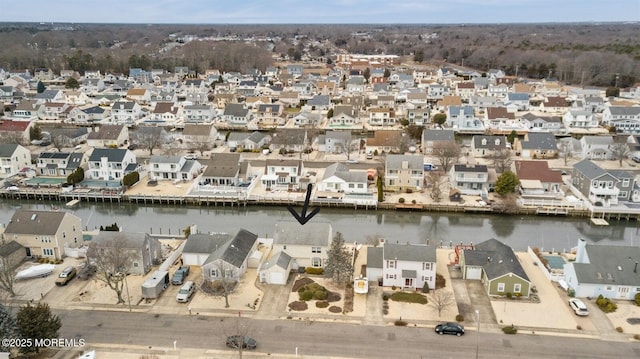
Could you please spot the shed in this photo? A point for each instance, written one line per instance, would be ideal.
(276, 269)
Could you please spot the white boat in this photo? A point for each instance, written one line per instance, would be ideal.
(41, 270)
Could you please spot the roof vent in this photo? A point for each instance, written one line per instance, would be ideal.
(620, 268)
(599, 275)
(33, 216)
(609, 277)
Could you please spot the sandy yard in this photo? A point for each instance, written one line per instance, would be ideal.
(163, 188)
(626, 309)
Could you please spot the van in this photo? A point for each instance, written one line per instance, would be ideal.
(66, 275)
(186, 291)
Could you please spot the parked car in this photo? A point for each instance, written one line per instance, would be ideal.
(191, 156)
(578, 307)
(233, 341)
(352, 161)
(186, 291)
(180, 275)
(13, 189)
(66, 275)
(450, 328)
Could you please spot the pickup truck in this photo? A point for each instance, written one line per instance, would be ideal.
(180, 275)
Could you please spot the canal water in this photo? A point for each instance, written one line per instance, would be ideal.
(548, 233)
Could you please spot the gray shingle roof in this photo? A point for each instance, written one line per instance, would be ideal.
(541, 140)
(614, 265)
(205, 243)
(409, 252)
(317, 234)
(7, 150)
(35, 222)
(374, 257)
(236, 250)
(280, 259)
(496, 258)
(112, 154)
(395, 161)
(438, 135)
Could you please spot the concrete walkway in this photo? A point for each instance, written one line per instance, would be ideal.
(274, 300)
(373, 314)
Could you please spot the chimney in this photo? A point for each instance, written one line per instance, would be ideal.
(581, 254)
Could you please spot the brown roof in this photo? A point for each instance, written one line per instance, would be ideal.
(499, 112)
(14, 126)
(106, 132)
(165, 107)
(537, 170)
(556, 101)
(450, 101)
(385, 138)
(136, 92)
(35, 222)
(196, 130)
(466, 85)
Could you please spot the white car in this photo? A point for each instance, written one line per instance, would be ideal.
(186, 291)
(13, 189)
(578, 307)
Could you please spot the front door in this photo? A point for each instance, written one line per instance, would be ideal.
(408, 282)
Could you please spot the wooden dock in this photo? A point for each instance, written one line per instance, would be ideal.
(599, 222)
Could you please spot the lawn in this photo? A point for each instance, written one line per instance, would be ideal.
(409, 297)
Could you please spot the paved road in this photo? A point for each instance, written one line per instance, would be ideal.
(155, 333)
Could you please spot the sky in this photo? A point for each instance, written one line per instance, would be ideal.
(320, 11)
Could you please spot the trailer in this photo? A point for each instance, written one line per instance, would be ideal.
(155, 284)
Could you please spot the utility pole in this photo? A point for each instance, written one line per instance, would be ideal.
(617, 77)
(582, 80)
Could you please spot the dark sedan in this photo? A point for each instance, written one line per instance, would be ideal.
(450, 328)
(247, 342)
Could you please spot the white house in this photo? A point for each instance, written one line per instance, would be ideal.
(110, 164)
(13, 158)
(173, 168)
(607, 270)
(307, 245)
(402, 265)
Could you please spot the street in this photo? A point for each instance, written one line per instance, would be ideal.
(157, 332)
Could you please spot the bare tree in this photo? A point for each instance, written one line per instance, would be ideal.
(434, 179)
(58, 141)
(112, 259)
(501, 160)
(447, 154)
(150, 138)
(566, 150)
(441, 299)
(222, 280)
(199, 145)
(11, 138)
(620, 151)
(234, 330)
(8, 274)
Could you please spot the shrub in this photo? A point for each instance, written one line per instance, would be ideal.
(322, 304)
(298, 306)
(313, 291)
(619, 329)
(305, 296)
(578, 327)
(313, 270)
(509, 295)
(401, 200)
(425, 287)
(571, 292)
(606, 305)
(440, 281)
(413, 201)
(636, 298)
(459, 318)
(409, 190)
(400, 323)
(511, 329)
(393, 287)
(385, 297)
(636, 336)
(335, 309)
(409, 297)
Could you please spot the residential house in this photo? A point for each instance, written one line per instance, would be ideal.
(144, 250)
(199, 246)
(537, 145)
(419, 116)
(538, 180)
(470, 179)
(222, 169)
(432, 139)
(16, 131)
(44, 233)
(13, 158)
(195, 91)
(579, 119)
(255, 141)
(49, 95)
(338, 178)
(280, 173)
(289, 98)
(110, 164)
(307, 119)
(222, 99)
(76, 98)
(519, 99)
(66, 136)
(141, 96)
(382, 117)
(625, 119)
(488, 145)
(108, 136)
(163, 114)
(607, 270)
(198, 136)
(173, 168)
(89, 115)
(58, 164)
(497, 267)
(231, 260)
(410, 266)
(597, 147)
(12, 254)
(92, 86)
(307, 245)
(356, 85)
(126, 113)
(404, 172)
(295, 70)
(343, 116)
(437, 91)
(271, 115)
(53, 111)
(554, 104)
(542, 123)
(235, 114)
(6, 94)
(601, 187)
(387, 141)
(465, 89)
(319, 103)
(340, 142)
(290, 140)
(499, 118)
(463, 118)
(498, 90)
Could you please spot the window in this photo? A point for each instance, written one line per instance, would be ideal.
(214, 273)
(426, 266)
(64, 234)
(608, 287)
(500, 287)
(391, 264)
(316, 262)
(135, 264)
(47, 251)
(316, 250)
(625, 182)
(517, 288)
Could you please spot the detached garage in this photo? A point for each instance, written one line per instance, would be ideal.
(199, 247)
(276, 269)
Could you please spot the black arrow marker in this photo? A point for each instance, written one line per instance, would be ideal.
(303, 218)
